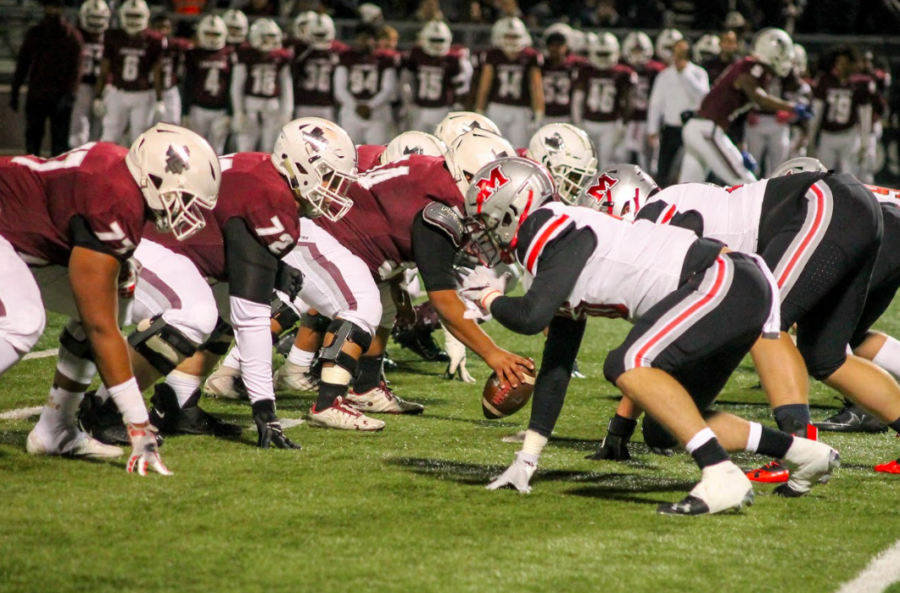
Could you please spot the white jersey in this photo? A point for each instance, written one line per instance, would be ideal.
(633, 267)
(885, 195)
(730, 215)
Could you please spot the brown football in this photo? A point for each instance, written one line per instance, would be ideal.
(499, 403)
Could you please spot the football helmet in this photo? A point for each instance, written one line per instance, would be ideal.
(179, 174)
(457, 123)
(265, 35)
(501, 196)
(569, 155)
(299, 24)
(603, 50)
(237, 24)
(706, 48)
(665, 42)
(211, 32)
(774, 48)
(409, 143)
(320, 31)
(510, 35)
(435, 38)
(621, 190)
(801, 60)
(134, 15)
(561, 28)
(318, 159)
(637, 48)
(579, 42)
(94, 16)
(473, 150)
(801, 164)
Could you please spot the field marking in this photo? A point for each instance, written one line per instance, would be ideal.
(41, 354)
(882, 572)
(21, 413)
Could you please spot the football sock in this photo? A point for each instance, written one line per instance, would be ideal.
(792, 418)
(8, 355)
(301, 358)
(183, 384)
(57, 423)
(704, 447)
(895, 425)
(369, 373)
(888, 357)
(328, 392)
(534, 444)
(770, 442)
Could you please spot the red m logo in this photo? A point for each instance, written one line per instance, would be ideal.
(602, 189)
(488, 187)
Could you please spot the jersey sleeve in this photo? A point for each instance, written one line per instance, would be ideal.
(251, 268)
(278, 231)
(112, 212)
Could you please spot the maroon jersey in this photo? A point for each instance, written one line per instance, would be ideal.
(263, 70)
(386, 200)
(605, 91)
(725, 102)
(433, 77)
(132, 58)
(559, 80)
(208, 76)
(365, 71)
(512, 78)
(368, 156)
(171, 61)
(313, 72)
(91, 54)
(646, 74)
(40, 197)
(842, 100)
(716, 67)
(254, 191)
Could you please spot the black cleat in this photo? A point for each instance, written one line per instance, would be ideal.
(613, 448)
(103, 421)
(688, 506)
(422, 342)
(191, 419)
(851, 418)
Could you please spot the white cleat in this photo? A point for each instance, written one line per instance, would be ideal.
(810, 462)
(381, 400)
(343, 417)
(85, 446)
(292, 377)
(723, 487)
(226, 383)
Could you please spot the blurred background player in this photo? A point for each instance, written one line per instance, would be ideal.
(365, 83)
(665, 43)
(882, 80)
(171, 66)
(207, 80)
(706, 48)
(93, 19)
(262, 92)
(238, 27)
(386, 41)
(558, 74)
(510, 91)
(637, 52)
(316, 55)
(435, 75)
(603, 96)
(131, 64)
(727, 55)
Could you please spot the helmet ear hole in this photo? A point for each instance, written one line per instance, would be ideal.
(300, 168)
(156, 180)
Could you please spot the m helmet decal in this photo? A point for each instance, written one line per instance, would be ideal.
(489, 186)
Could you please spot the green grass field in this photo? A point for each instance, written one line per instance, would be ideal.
(406, 509)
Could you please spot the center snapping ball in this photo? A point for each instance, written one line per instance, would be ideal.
(499, 403)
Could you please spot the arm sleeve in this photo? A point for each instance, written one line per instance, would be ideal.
(341, 92)
(254, 341)
(388, 89)
(560, 350)
(238, 78)
(434, 253)
(83, 236)
(251, 267)
(560, 265)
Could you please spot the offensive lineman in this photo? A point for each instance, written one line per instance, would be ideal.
(93, 17)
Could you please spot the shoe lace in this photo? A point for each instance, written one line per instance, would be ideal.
(342, 407)
(387, 391)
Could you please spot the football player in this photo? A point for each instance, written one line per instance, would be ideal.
(316, 55)
(696, 307)
(603, 96)
(637, 51)
(131, 64)
(93, 18)
(207, 80)
(568, 154)
(69, 225)
(238, 26)
(558, 74)
(665, 43)
(510, 90)
(435, 75)
(172, 68)
(707, 49)
(882, 80)
(727, 55)
(262, 91)
(457, 123)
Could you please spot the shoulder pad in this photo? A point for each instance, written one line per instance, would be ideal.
(446, 220)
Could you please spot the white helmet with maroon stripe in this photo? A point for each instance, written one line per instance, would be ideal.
(511, 35)
(637, 49)
(707, 48)
(299, 24)
(774, 48)
(134, 16)
(320, 31)
(237, 24)
(801, 164)
(603, 50)
(561, 28)
(211, 32)
(457, 123)
(435, 38)
(94, 16)
(569, 155)
(410, 143)
(265, 35)
(665, 43)
(498, 201)
(472, 151)
(621, 190)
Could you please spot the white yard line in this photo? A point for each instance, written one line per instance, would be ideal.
(882, 572)
(41, 354)
(21, 413)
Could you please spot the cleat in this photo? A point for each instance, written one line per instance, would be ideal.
(851, 418)
(381, 400)
(226, 383)
(771, 473)
(419, 337)
(343, 417)
(809, 462)
(103, 421)
(519, 437)
(576, 372)
(291, 377)
(891, 467)
(190, 419)
(724, 487)
(85, 446)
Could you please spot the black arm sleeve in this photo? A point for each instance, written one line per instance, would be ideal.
(651, 211)
(434, 253)
(251, 267)
(560, 265)
(83, 236)
(690, 220)
(560, 349)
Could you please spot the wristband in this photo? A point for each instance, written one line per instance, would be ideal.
(130, 401)
(490, 298)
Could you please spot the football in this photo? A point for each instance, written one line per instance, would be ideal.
(500, 403)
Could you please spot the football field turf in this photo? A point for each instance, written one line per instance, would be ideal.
(406, 509)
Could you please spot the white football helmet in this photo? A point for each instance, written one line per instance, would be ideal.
(801, 164)
(237, 24)
(774, 48)
(706, 48)
(603, 50)
(94, 16)
(498, 201)
(457, 123)
(318, 159)
(409, 143)
(211, 32)
(179, 174)
(621, 190)
(134, 16)
(298, 25)
(665, 43)
(510, 35)
(561, 28)
(435, 38)
(320, 31)
(370, 13)
(801, 60)
(265, 35)
(568, 153)
(472, 151)
(637, 48)
(579, 42)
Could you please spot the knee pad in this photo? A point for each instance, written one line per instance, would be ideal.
(318, 322)
(163, 345)
(345, 331)
(73, 339)
(656, 436)
(220, 339)
(284, 315)
(76, 361)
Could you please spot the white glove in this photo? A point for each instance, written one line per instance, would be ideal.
(99, 108)
(518, 474)
(456, 350)
(239, 123)
(481, 288)
(144, 451)
(159, 112)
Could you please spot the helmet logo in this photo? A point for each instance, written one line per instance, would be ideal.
(315, 140)
(413, 150)
(177, 159)
(490, 185)
(555, 142)
(601, 190)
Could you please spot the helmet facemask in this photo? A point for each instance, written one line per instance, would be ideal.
(329, 196)
(569, 179)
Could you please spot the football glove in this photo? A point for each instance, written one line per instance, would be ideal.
(458, 354)
(269, 428)
(145, 451)
(481, 288)
(615, 446)
(99, 108)
(802, 112)
(517, 475)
